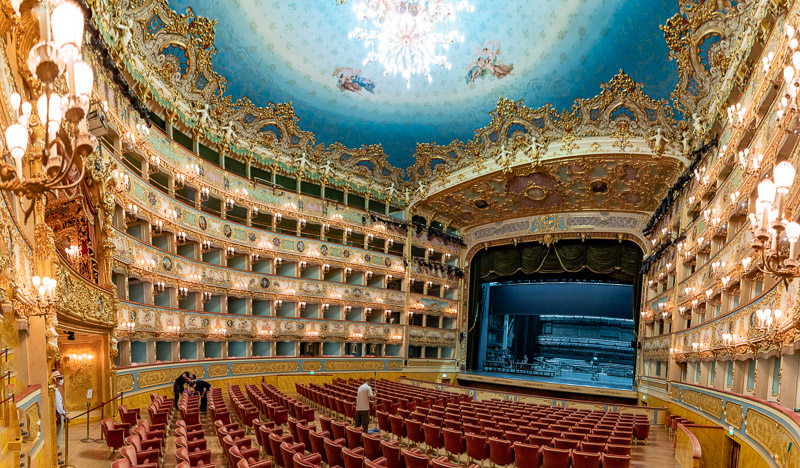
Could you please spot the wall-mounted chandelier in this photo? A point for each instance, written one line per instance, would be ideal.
(771, 230)
(63, 118)
(408, 36)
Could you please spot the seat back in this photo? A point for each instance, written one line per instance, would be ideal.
(477, 446)
(585, 460)
(501, 452)
(555, 458)
(393, 455)
(372, 446)
(527, 456)
(352, 459)
(415, 459)
(353, 437)
(454, 441)
(333, 452)
(616, 461)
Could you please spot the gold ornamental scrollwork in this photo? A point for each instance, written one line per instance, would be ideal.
(217, 370)
(151, 378)
(309, 366)
(734, 414)
(772, 436)
(125, 382)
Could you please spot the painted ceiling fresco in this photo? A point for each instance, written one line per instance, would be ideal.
(543, 51)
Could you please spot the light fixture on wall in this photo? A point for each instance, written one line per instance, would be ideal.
(66, 147)
(154, 164)
(768, 320)
(180, 180)
(123, 181)
(771, 230)
(228, 204)
(180, 237)
(171, 331)
(131, 213)
(157, 226)
(206, 297)
(205, 194)
(205, 245)
(183, 292)
(73, 252)
(79, 362)
(158, 288)
(230, 252)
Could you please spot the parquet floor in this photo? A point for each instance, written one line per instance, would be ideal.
(657, 453)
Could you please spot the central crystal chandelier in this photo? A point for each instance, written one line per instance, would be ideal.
(408, 36)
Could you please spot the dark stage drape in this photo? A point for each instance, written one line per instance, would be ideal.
(620, 260)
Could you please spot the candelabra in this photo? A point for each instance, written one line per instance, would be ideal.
(750, 164)
(356, 336)
(123, 181)
(65, 144)
(230, 252)
(311, 334)
(180, 180)
(180, 238)
(369, 275)
(254, 257)
(326, 268)
(418, 306)
(79, 362)
(205, 245)
(228, 204)
(451, 311)
(126, 329)
(158, 288)
(219, 331)
(771, 229)
(302, 264)
(44, 298)
(301, 305)
(206, 297)
(325, 307)
(155, 164)
(768, 320)
(348, 271)
(278, 303)
(171, 331)
(729, 341)
(131, 213)
(253, 211)
(73, 252)
(204, 194)
(183, 292)
(277, 217)
(302, 223)
(158, 226)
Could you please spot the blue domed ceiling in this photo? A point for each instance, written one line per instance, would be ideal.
(543, 51)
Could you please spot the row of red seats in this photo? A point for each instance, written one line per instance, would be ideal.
(140, 442)
(584, 439)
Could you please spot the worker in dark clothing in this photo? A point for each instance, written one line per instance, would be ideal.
(180, 383)
(201, 388)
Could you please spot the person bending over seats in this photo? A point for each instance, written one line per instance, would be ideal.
(180, 383)
(363, 398)
(201, 387)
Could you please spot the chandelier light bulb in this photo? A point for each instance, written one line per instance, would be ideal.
(50, 111)
(84, 78)
(784, 176)
(766, 191)
(788, 73)
(67, 25)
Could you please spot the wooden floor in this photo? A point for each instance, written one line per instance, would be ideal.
(658, 451)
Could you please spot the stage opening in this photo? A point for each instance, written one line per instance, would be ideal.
(562, 314)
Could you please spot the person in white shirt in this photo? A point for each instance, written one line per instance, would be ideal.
(61, 414)
(363, 398)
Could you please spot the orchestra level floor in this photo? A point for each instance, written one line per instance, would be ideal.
(567, 377)
(658, 451)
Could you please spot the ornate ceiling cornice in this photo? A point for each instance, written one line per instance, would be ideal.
(172, 63)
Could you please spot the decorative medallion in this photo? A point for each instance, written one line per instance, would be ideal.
(151, 197)
(367, 258)
(356, 293)
(323, 249)
(226, 183)
(301, 246)
(202, 223)
(346, 253)
(387, 261)
(276, 241)
(226, 229)
(264, 282)
(132, 315)
(251, 237)
(166, 263)
(229, 323)
(206, 322)
(324, 327)
(301, 326)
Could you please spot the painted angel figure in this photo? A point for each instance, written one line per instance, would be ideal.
(228, 132)
(125, 26)
(687, 141)
(659, 141)
(503, 157)
(391, 191)
(534, 148)
(352, 80)
(326, 169)
(697, 123)
(204, 115)
(301, 162)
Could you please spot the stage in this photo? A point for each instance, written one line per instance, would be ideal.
(568, 381)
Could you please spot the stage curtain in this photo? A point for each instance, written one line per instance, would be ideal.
(620, 260)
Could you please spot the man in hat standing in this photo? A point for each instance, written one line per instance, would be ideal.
(61, 414)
